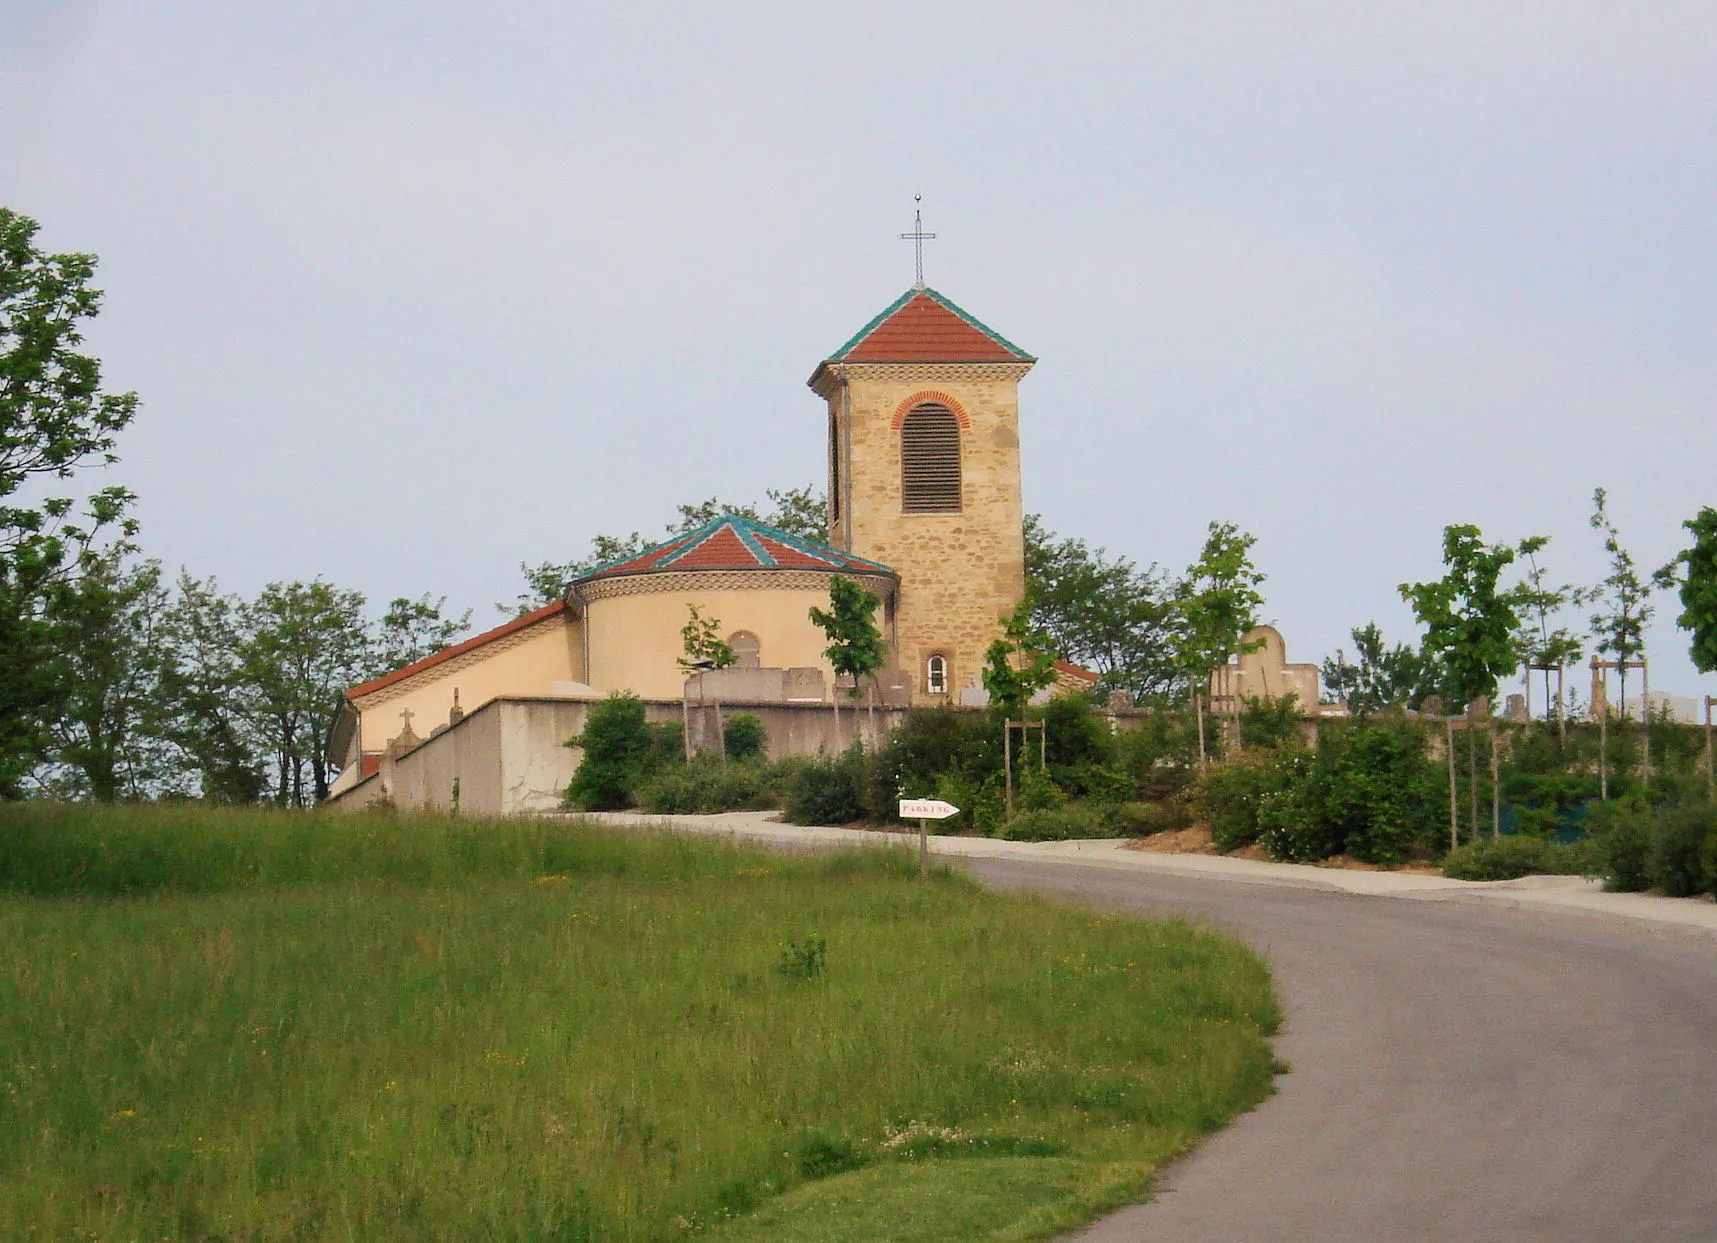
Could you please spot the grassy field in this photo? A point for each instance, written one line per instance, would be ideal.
(254, 1026)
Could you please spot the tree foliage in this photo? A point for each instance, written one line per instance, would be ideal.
(1217, 601)
(704, 646)
(1470, 621)
(1624, 597)
(617, 745)
(1019, 664)
(1102, 612)
(54, 418)
(1384, 676)
(855, 644)
(1694, 573)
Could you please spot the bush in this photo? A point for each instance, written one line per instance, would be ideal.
(743, 736)
(1228, 796)
(1675, 862)
(1159, 752)
(1621, 829)
(1069, 822)
(617, 751)
(827, 791)
(705, 786)
(1503, 859)
(1144, 819)
(1270, 721)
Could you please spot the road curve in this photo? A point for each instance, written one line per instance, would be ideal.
(1460, 1072)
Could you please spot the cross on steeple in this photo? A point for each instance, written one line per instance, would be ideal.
(918, 237)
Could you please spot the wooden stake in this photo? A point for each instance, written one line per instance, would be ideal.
(1454, 796)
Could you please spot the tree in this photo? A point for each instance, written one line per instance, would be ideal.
(855, 646)
(1102, 612)
(1626, 599)
(705, 648)
(411, 630)
(302, 644)
(1018, 665)
(1697, 588)
(106, 622)
(1385, 676)
(797, 511)
(1470, 623)
(205, 708)
(1215, 605)
(54, 418)
(1539, 646)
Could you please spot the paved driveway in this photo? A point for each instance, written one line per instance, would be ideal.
(1460, 1072)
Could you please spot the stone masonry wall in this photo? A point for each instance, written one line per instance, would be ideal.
(960, 573)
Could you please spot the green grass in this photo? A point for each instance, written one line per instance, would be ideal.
(276, 1027)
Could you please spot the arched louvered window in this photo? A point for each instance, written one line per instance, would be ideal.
(930, 460)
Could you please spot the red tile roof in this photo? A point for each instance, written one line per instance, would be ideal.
(1075, 671)
(736, 543)
(458, 649)
(923, 326)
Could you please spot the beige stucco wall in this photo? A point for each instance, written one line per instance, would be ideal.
(1265, 672)
(527, 662)
(635, 639)
(960, 573)
(510, 758)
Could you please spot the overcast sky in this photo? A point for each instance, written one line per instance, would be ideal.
(413, 292)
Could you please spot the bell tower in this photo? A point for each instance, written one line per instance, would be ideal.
(924, 477)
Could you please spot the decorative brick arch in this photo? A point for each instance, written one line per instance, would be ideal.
(931, 395)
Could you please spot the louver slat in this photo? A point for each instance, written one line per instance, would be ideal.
(930, 460)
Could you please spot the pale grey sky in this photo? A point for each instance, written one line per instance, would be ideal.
(415, 291)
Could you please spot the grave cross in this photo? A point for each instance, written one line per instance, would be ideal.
(918, 237)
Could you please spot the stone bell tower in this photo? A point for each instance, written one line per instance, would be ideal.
(924, 477)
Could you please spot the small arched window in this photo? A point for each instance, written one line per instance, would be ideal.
(936, 675)
(747, 651)
(930, 460)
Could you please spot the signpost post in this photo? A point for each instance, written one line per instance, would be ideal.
(924, 810)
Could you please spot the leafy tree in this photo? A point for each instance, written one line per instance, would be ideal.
(1697, 588)
(54, 418)
(705, 648)
(855, 646)
(1384, 676)
(1018, 665)
(617, 746)
(106, 622)
(1626, 598)
(411, 630)
(1102, 612)
(798, 511)
(205, 707)
(1470, 622)
(301, 645)
(1216, 603)
(1539, 646)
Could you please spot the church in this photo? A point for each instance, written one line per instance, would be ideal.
(922, 409)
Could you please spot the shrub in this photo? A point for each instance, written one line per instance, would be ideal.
(1378, 793)
(826, 791)
(1621, 829)
(1159, 752)
(617, 746)
(1675, 862)
(1035, 790)
(1144, 819)
(1293, 820)
(743, 736)
(705, 786)
(1228, 796)
(1069, 822)
(1503, 859)
(1270, 721)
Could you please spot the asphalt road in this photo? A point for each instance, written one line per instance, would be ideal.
(1460, 1072)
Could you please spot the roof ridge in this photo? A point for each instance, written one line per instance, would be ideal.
(746, 530)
